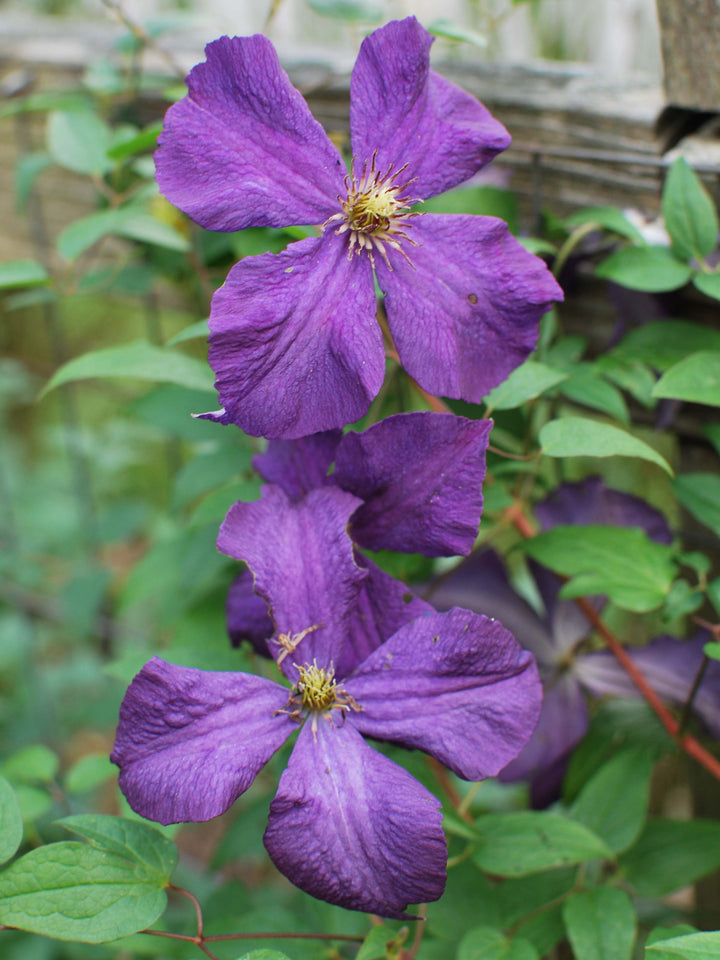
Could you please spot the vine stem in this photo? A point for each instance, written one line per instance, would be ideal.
(686, 742)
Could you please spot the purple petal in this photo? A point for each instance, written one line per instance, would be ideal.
(669, 665)
(242, 149)
(466, 313)
(456, 685)
(481, 584)
(562, 724)
(247, 615)
(351, 827)
(302, 559)
(189, 742)
(383, 606)
(420, 475)
(294, 342)
(298, 466)
(411, 115)
(591, 502)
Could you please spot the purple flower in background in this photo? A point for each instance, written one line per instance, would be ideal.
(670, 665)
(420, 478)
(347, 824)
(294, 341)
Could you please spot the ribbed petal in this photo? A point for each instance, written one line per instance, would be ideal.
(298, 466)
(455, 685)
(669, 665)
(420, 475)
(242, 149)
(189, 742)
(591, 502)
(247, 614)
(383, 606)
(302, 560)
(481, 584)
(351, 827)
(294, 342)
(466, 313)
(562, 724)
(411, 115)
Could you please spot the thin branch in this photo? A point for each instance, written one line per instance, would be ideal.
(141, 34)
(284, 936)
(196, 904)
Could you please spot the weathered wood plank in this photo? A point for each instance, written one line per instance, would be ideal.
(690, 40)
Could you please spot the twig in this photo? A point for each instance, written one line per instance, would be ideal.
(285, 936)
(141, 34)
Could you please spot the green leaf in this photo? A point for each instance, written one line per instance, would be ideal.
(374, 946)
(689, 213)
(130, 221)
(143, 141)
(450, 30)
(34, 764)
(28, 169)
(11, 821)
(34, 802)
(71, 891)
(140, 225)
(663, 343)
(696, 378)
(600, 924)
(152, 852)
(196, 331)
(587, 388)
(610, 218)
(621, 562)
(653, 269)
(22, 273)
(516, 844)
(347, 9)
(626, 775)
(525, 383)
(138, 360)
(700, 494)
(79, 140)
(520, 896)
(487, 943)
(580, 437)
(89, 772)
(693, 946)
(708, 283)
(264, 954)
(712, 650)
(671, 854)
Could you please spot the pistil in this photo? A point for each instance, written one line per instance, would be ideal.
(376, 211)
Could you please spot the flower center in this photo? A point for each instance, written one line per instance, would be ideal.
(317, 687)
(376, 211)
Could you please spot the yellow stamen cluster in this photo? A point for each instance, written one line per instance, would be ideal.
(375, 212)
(316, 686)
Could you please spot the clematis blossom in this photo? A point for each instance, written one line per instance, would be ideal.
(419, 476)
(555, 638)
(347, 825)
(294, 340)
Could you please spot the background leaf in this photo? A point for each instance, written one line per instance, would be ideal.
(689, 213)
(671, 854)
(22, 273)
(621, 562)
(79, 140)
(600, 924)
(11, 823)
(652, 269)
(46, 892)
(696, 378)
(515, 844)
(579, 437)
(139, 360)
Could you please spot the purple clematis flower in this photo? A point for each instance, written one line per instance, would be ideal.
(294, 341)
(420, 478)
(669, 664)
(347, 824)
